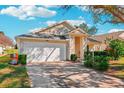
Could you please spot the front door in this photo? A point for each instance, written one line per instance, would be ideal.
(77, 46)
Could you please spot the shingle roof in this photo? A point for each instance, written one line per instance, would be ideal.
(37, 34)
(91, 39)
(65, 23)
(4, 40)
(114, 35)
(46, 36)
(53, 36)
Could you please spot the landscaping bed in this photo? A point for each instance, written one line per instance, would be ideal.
(12, 76)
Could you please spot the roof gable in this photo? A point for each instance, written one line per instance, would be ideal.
(59, 28)
(61, 31)
(5, 41)
(78, 31)
(121, 35)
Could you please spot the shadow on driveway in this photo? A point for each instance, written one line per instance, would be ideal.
(67, 75)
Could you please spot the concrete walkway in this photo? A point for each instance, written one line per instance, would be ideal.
(67, 75)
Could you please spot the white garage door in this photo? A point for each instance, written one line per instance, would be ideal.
(44, 52)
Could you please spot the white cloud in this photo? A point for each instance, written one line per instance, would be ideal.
(76, 22)
(28, 12)
(73, 22)
(80, 17)
(50, 22)
(115, 30)
(51, 6)
(34, 30)
(30, 18)
(83, 8)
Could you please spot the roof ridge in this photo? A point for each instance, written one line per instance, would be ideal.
(56, 24)
(109, 33)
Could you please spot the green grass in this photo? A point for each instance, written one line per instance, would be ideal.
(117, 68)
(10, 51)
(12, 76)
(118, 62)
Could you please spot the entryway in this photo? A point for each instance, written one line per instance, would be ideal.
(77, 46)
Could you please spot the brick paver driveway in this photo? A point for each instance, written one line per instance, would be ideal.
(66, 75)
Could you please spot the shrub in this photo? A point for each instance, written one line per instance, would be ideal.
(98, 62)
(22, 59)
(101, 63)
(88, 61)
(101, 66)
(101, 53)
(117, 48)
(97, 58)
(73, 57)
(98, 53)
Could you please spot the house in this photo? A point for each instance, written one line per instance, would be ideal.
(54, 43)
(104, 37)
(1, 49)
(5, 42)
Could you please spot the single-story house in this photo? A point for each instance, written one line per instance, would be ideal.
(55, 43)
(104, 37)
(1, 49)
(5, 42)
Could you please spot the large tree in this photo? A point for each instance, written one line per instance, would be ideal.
(114, 12)
(116, 48)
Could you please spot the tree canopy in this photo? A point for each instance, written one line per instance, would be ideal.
(117, 48)
(90, 30)
(114, 12)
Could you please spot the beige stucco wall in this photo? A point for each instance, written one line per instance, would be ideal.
(99, 47)
(71, 45)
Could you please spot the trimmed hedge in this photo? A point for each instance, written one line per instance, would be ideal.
(98, 53)
(101, 53)
(22, 59)
(101, 63)
(97, 62)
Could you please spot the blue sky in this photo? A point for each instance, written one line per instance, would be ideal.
(16, 20)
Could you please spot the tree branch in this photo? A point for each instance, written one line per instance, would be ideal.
(118, 14)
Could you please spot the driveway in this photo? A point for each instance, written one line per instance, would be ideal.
(67, 75)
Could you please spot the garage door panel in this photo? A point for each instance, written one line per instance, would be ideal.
(45, 52)
(54, 54)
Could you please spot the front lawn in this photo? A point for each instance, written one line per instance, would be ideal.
(117, 68)
(12, 76)
(118, 62)
(10, 51)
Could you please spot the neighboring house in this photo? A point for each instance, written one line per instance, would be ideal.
(54, 43)
(5, 42)
(109, 36)
(1, 49)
